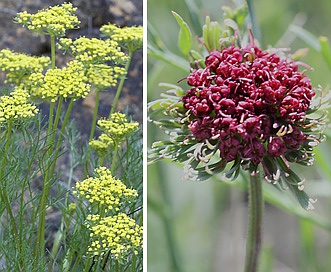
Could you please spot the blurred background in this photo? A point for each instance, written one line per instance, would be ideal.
(201, 226)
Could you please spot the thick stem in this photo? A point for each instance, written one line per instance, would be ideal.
(253, 245)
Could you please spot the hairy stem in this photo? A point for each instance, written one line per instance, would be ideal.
(253, 245)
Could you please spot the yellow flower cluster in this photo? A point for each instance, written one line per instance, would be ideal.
(102, 76)
(53, 21)
(105, 190)
(15, 107)
(93, 51)
(114, 131)
(18, 65)
(119, 234)
(67, 82)
(130, 38)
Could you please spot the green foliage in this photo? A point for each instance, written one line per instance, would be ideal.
(184, 35)
(190, 203)
(41, 157)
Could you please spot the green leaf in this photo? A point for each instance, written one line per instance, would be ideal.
(168, 57)
(306, 36)
(184, 36)
(211, 34)
(231, 23)
(325, 50)
(285, 202)
(196, 60)
(301, 196)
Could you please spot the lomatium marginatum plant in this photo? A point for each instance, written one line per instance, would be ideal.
(68, 203)
(244, 110)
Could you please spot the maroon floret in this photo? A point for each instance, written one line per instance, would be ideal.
(243, 97)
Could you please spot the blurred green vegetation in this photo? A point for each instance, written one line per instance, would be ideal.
(202, 226)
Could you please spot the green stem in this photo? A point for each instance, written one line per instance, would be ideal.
(101, 160)
(120, 85)
(95, 114)
(53, 51)
(60, 137)
(88, 264)
(175, 259)
(4, 196)
(114, 160)
(61, 233)
(57, 116)
(253, 245)
(116, 266)
(64, 123)
(40, 245)
(52, 126)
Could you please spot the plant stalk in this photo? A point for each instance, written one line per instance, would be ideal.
(120, 85)
(95, 114)
(253, 245)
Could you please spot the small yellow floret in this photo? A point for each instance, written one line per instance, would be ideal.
(53, 21)
(114, 130)
(118, 234)
(130, 38)
(19, 66)
(105, 190)
(16, 107)
(67, 82)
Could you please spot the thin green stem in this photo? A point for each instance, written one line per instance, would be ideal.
(95, 114)
(113, 163)
(88, 264)
(52, 126)
(120, 85)
(57, 115)
(253, 245)
(4, 196)
(3, 192)
(64, 123)
(53, 51)
(60, 137)
(40, 245)
(101, 160)
(61, 232)
(168, 222)
(116, 266)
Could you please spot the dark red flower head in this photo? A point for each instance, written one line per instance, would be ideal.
(251, 101)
